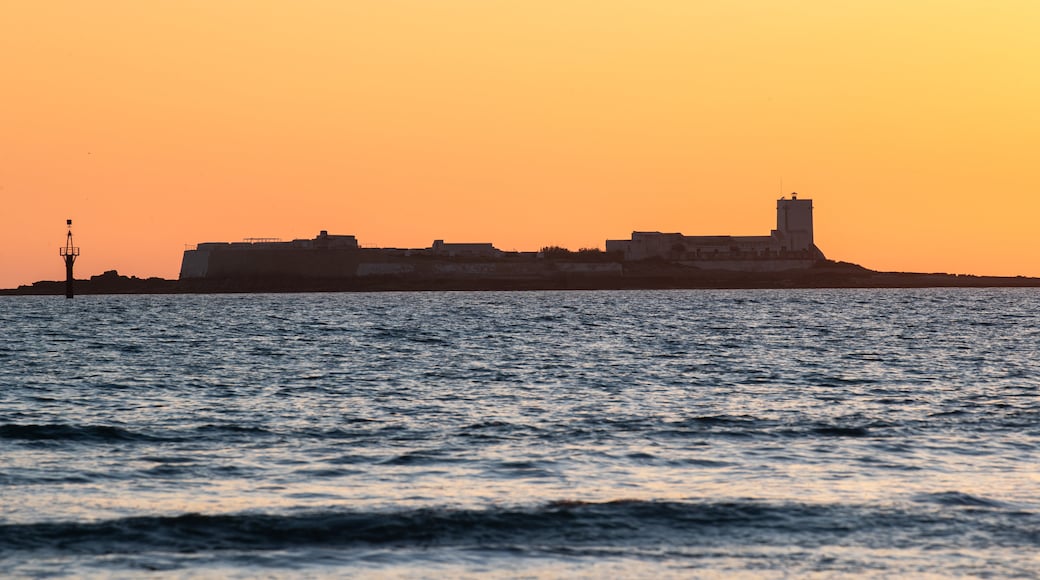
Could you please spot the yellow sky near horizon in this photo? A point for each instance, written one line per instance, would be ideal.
(913, 125)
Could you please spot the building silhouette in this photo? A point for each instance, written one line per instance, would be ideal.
(792, 239)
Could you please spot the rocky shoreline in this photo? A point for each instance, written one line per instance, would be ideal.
(636, 276)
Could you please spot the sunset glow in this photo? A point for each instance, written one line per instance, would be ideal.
(913, 126)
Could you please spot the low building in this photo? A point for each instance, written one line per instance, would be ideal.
(792, 239)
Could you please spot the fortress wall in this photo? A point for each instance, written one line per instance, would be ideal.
(609, 268)
(279, 262)
(490, 270)
(222, 262)
(466, 269)
(384, 269)
(194, 264)
(776, 265)
(493, 270)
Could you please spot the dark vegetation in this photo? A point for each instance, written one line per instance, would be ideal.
(582, 255)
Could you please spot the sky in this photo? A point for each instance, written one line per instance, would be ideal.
(913, 125)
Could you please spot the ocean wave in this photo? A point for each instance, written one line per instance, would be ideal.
(960, 499)
(60, 432)
(558, 525)
(743, 427)
(364, 430)
(111, 434)
(841, 431)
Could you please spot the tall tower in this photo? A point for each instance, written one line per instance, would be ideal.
(794, 223)
(69, 253)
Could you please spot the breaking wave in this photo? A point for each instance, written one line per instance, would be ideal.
(557, 525)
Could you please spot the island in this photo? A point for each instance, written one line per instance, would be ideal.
(785, 258)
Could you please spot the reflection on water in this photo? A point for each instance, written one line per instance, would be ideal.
(542, 433)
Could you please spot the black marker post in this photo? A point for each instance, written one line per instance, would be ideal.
(69, 252)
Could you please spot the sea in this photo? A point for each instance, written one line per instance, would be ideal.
(574, 434)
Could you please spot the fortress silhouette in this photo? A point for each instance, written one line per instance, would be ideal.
(330, 257)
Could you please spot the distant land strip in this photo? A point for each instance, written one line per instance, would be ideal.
(650, 275)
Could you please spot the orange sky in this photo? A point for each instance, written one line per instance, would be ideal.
(913, 124)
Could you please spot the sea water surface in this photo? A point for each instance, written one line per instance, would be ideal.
(794, 433)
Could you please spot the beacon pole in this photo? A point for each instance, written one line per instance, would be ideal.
(69, 253)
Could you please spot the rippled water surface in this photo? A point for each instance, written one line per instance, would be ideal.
(541, 434)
